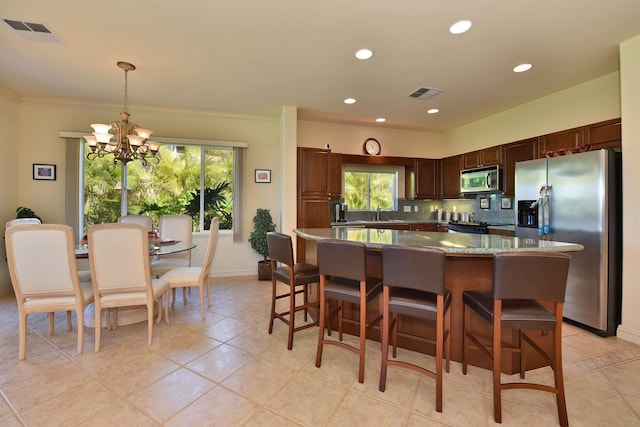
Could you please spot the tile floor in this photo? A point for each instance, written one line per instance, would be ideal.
(228, 371)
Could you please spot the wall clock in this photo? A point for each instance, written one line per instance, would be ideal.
(371, 147)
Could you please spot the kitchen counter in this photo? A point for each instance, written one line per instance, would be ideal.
(452, 244)
(371, 222)
(469, 265)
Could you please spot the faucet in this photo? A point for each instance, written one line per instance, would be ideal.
(378, 214)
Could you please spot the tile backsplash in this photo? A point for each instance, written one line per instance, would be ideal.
(426, 210)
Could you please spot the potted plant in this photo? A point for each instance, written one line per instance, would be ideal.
(24, 212)
(262, 224)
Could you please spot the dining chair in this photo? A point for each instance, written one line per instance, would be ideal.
(138, 219)
(121, 275)
(298, 277)
(413, 281)
(343, 277)
(184, 277)
(177, 227)
(522, 282)
(42, 267)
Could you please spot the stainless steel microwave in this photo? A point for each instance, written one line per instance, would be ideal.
(480, 180)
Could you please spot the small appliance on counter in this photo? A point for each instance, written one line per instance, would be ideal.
(340, 210)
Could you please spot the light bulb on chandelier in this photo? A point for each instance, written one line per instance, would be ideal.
(126, 146)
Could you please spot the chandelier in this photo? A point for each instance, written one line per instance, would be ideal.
(126, 146)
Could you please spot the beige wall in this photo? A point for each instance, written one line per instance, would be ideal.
(348, 139)
(590, 102)
(630, 105)
(8, 170)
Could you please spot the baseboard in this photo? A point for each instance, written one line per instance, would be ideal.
(628, 334)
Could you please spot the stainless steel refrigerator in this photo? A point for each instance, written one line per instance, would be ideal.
(584, 206)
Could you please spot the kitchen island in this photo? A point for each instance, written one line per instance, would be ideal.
(469, 266)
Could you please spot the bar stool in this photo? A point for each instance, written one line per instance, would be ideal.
(343, 277)
(520, 281)
(295, 275)
(413, 280)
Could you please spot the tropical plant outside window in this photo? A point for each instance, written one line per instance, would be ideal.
(171, 187)
(367, 190)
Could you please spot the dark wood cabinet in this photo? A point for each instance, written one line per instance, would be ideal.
(570, 138)
(487, 157)
(607, 134)
(313, 192)
(335, 175)
(313, 172)
(516, 152)
(450, 177)
(389, 226)
(427, 179)
(423, 227)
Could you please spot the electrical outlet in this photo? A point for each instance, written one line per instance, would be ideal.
(415, 208)
(407, 209)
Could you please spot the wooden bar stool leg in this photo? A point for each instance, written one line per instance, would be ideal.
(322, 323)
(292, 314)
(465, 340)
(439, 351)
(363, 328)
(384, 339)
(497, 360)
(273, 304)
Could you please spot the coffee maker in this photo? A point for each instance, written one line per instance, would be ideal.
(340, 210)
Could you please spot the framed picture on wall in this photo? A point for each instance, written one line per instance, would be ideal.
(485, 203)
(263, 175)
(44, 172)
(506, 203)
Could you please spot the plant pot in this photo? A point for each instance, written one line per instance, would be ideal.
(264, 270)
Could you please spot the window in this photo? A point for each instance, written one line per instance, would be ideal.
(173, 186)
(371, 187)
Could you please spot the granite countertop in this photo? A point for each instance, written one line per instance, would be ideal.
(455, 244)
(361, 222)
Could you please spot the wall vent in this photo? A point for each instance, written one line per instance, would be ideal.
(424, 93)
(34, 31)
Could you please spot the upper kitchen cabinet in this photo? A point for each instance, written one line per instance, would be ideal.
(313, 172)
(607, 134)
(570, 138)
(516, 152)
(335, 175)
(488, 157)
(450, 177)
(427, 178)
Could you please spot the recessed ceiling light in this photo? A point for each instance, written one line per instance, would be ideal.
(522, 68)
(460, 27)
(433, 110)
(381, 120)
(364, 54)
(349, 101)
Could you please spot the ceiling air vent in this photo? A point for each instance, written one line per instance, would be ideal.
(32, 30)
(423, 93)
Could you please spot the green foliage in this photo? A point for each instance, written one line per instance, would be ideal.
(24, 212)
(368, 191)
(215, 205)
(262, 224)
(170, 187)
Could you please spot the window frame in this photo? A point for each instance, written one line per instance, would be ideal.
(398, 180)
(74, 174)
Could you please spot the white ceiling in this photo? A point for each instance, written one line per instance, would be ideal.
(255, 56)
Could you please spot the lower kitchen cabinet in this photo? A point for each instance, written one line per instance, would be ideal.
(423, 227)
